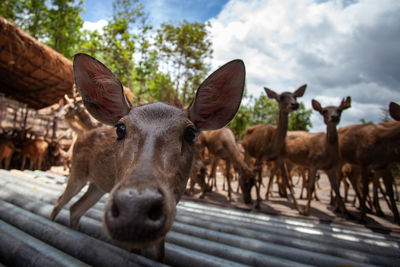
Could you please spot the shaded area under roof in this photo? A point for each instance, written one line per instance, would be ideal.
(30, 71)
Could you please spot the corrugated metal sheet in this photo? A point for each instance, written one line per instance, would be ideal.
(201, 235)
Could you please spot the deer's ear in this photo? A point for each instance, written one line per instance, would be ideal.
(218, 97)
(394, 110)
(101, 91)
(271, 94)
(346, 103)
(316, 105)
(300, 92)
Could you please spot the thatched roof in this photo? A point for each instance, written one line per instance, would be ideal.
(30, 71)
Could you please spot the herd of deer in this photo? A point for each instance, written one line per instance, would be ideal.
(21, 148)
(145, 159)
(363, 153)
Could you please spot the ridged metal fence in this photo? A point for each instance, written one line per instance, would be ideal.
(201, 235)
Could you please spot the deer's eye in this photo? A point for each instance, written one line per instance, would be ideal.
(190, 134)
(121, 131)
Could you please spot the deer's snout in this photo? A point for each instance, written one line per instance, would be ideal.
(335, 118)
(294, 106)
(135, 216)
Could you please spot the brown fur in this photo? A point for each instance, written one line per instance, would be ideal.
(265, 142)
(145, 161)
(35, 150)
(7, 149)
(372, 146)
(221, 144)
(319, 151)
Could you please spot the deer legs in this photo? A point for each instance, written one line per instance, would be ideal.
(288, 183)
(388, 181)
(92, 195)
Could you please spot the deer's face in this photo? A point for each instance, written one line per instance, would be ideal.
(287, 101)
(155, 148)
(154, 145)
(331, 114)
(246, 183)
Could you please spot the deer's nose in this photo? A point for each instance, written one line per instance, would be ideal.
(295, 106)
(134, 215)
(335, 118)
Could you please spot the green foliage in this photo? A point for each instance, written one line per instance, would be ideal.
(184, 49)
(56, 23)
(10, 9)
(364, 121)
(385, 116)
(240, 123)
(300, 119)
(264, 111)
(64, 26)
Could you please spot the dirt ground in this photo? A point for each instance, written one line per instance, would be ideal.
(320, 210)
(276, 205)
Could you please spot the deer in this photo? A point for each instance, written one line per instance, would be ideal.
(267, 142)
(144, 159)
(35, 150)
(320, 151)
(221, 144)
(7, 150)
(372, 147)
(199, 172)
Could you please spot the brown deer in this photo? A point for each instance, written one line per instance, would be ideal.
(7, 150)
(35, 150)
(221, 144)
(266, 142)
(319, 151)
(144, 161)
(199, 172)
(372, 147)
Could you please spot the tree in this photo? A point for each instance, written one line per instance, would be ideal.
(385, 116)
(241, 121)
(56, 23)
(264, 111)
(119, 40)
(300, 119)
(185, 48)
(31, 15)
(64, 26)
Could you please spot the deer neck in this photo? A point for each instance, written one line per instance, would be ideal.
(282, 128)
(331, 135)
(278, 143)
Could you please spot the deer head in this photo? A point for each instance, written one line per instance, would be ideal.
(287, 101)
(332, 114)
(153, 146)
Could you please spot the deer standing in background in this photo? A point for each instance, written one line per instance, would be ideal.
(319, 151)
(221, 144)
(372, 147)
(35, 150)
(144, 161)
(265, 142)
(7, 149)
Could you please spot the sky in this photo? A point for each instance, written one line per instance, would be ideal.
(338, 48)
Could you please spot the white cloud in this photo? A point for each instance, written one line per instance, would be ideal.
(337, 47)
(98, 25)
